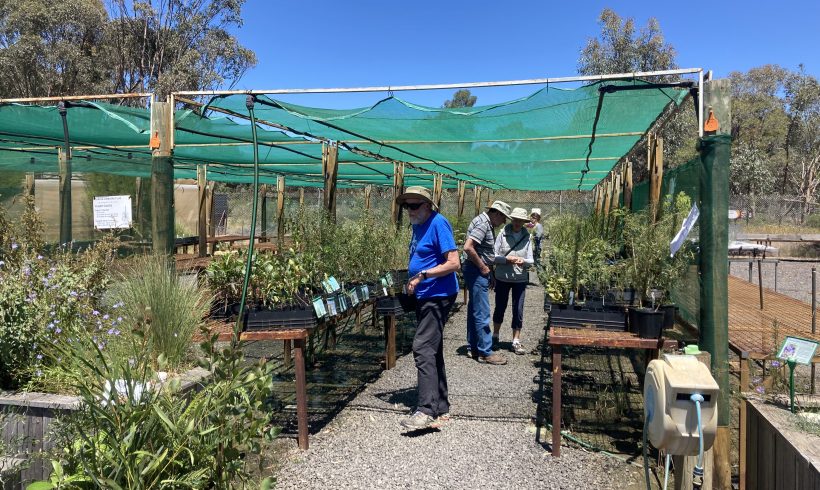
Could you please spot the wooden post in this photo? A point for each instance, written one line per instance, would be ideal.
(477, 196)
(599, 199)
(280, 212)
(462, 190)
(628, 186)
(616, 195)
(301, 393)
(65, 195)
(330, 169)
(29, 190)
(655, 177)
(389, 341)
(301, 198)
(211, 223)
(263, 219)
(556, 400)
(714, 239)
(489, 197)
(202, 220)
(162, 178)
(368, 190)
(744, 387)
(608, 194)
(438, 182)
(398, 189)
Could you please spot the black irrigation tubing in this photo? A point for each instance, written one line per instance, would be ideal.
(276, 105)
(601, 94)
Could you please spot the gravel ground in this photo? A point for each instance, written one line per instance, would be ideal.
(793, 278)
(490, 442)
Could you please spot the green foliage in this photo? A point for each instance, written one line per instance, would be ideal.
(80, 46)
(42, 296)
(648, 264)
(462, 98)
(225, 275)
(136, 433)
(578, 256)
(622, 49)
(158, 303)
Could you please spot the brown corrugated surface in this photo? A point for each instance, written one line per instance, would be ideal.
(761, 332)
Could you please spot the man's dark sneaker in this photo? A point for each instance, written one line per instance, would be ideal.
(419, 420)
(494, 359)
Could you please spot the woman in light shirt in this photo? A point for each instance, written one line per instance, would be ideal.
(513, 257)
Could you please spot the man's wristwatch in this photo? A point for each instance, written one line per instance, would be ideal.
(423, 275)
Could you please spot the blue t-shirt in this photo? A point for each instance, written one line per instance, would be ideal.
(430, 243)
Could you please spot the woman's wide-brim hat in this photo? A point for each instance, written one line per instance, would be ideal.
(536, 211)
(520, 214)
(417, 192)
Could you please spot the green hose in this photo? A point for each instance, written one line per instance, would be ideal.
(249, 103)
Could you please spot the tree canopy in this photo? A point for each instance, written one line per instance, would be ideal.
(81, 46)
(462, 98)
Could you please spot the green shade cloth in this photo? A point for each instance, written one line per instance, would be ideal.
(540, 142)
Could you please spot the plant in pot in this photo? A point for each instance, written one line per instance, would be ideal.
(280, 292)
(649, 266)
(225, 275)
(577, 268)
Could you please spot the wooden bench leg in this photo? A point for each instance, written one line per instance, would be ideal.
(288, 359)
(389, 341)
(301, 393)
(556, 400)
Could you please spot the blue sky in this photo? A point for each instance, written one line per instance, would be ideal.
(373, 43)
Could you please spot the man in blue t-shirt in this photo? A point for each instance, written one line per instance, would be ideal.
(432, 271)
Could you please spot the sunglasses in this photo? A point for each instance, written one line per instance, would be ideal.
(411, 206)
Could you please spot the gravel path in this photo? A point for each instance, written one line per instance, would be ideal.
(490, 443)
(793, 278)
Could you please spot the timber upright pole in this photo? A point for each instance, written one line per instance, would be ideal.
(462, 190)
(280, 212)
(29, 190)
(202, 194)
(628, 186)
(263, 208)
(477, 196)
(715, 151)
(330, 169)
(64, 157)
(438, 182)
(368, 189)
(162, 178)
(398, 189)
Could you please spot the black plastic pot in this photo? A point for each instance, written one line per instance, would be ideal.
(574, 316)
(396, 305)
(291, 317)
(669, 312)
(646, 322)
(620, 297)
(222, 311)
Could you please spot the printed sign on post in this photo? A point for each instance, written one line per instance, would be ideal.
(112, 212)
(799, 350)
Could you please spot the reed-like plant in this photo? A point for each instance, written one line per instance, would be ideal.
(158, 302)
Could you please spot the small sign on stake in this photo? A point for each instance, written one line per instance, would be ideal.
(112, 212)
(796, 351)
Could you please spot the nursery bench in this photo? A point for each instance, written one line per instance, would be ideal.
(559, 337)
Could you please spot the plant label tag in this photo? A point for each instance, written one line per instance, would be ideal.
(798, 350)
(334, 284)
(327, 286)
(384, 290)
(365, 292)
(388, 278)
(331, 306)
(319, 307)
